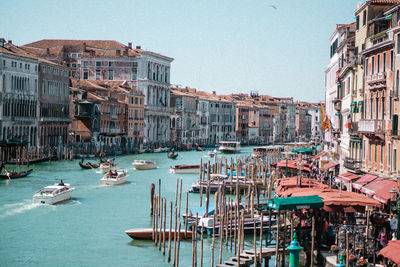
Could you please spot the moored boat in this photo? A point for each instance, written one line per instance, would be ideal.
(114, 178)
(144, 164)
(53, 194)
(185, 169)
(212, 153)
(15, 175)
(172, 155)
(147, 233)
(229, 147)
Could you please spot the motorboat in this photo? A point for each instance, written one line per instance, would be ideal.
(147, 233)
(15, 175)
(144, 164)
(185, 169)
(229, 147)
(212, 153)
(114, 177)
(161, 149)
(53, 194)
(107, 166)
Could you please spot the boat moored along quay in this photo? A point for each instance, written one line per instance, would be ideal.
(148, 234)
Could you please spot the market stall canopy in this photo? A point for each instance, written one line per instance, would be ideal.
(335, 200)
(293, 203)
(370, 188)
(383, 194)
(392, 251)
(348, 177)
(292, 182)
(364, 180)
(329, 165)
(319, 155)
(294, 164)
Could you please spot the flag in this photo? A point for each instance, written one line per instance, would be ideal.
(326, 124)
(348, 123)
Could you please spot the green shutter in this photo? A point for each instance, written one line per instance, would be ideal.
(395, 124)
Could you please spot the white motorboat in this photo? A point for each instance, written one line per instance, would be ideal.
(229, 147)
(212, 153)
(107, 166)
(53, 194)
(185, 169)
(114, 178)
(144, 164)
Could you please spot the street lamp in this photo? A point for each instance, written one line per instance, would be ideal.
(395, 205)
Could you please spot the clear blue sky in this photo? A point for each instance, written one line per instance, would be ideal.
(223, 45)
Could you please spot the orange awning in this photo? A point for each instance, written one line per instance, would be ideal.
(373, 186)
(329, 165)
(364, 180)
(348, 177)
(319, 155)
(383, 194)
(392, 251)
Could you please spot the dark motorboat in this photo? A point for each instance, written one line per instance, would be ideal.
(89, 165)
(199, 148)
(172, 155)
(15, 175)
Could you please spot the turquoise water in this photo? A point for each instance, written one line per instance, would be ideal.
(88, 230)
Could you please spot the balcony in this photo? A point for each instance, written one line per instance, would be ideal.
(376, 81)
(371, 126)
(337, 103)
(352, 164)
(353, 131)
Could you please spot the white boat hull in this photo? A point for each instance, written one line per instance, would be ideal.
(112, 181)
(144, 166)
(50, 200)
(179, 171)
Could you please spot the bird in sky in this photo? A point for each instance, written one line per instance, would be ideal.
(274, 7)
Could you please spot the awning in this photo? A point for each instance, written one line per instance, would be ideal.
(391, 251)
(329, 165)
(373, 186)
(364, 180)
(348, 177)
(383, 193)
(319, 155)
(292, 203)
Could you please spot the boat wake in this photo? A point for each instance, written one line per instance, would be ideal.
(17, 208)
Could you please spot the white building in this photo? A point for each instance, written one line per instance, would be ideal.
(19, 95)
(315, 112)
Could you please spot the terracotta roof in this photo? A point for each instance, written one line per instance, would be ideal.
(348, 177)
(12, 49)
(385, 2)
(319, 155)
(364, 180)
(383, 194)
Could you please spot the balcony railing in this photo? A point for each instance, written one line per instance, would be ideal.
(376, 80)
(352, 164)
(371, 126)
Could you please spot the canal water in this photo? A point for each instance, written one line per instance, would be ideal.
(88, 230)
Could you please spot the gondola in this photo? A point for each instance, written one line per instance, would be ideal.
(15, 175)
(89, 165)
(172, 155)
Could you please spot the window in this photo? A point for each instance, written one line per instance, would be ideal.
(397, 83)
(85, 63)
(74, 55)
(98, 74)
(136, 100)
(398, 44)
(384, 62)
(366, 66)
(379, 63)
(356, 51)
(364, 17)
(391, 60)
(395, 124)
(98, 63)
(383, 105)
(73, 65)
(395, 159)
(357, 22)
(85, 74)
(134, 74)
(111, 64)
(373, 65)
(111, 75)
(4, 63)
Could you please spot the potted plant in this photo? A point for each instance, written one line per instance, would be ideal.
(362, 262)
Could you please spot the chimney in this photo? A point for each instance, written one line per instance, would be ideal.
(10, 41)
(84, 46)
(118, 52)
(2, 41)
(138, 47)
(47, 51)
(214, 93)
(130, 45)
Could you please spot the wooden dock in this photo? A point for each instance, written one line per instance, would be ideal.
(247, 257)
